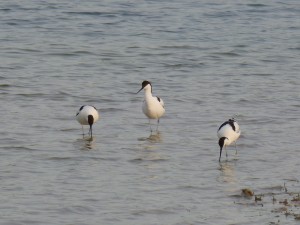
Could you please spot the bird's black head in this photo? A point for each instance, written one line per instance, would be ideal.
(221, 144)
(222, 141)
(90, 120)
(144, 84)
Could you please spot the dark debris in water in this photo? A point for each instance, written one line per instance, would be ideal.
(281, 200)
(247, 192)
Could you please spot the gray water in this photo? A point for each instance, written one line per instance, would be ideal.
(208, 60)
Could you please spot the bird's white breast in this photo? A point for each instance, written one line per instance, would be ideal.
(152, 108)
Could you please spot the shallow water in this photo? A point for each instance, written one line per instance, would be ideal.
(209, 61)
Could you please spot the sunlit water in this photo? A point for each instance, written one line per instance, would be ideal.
(208, 60)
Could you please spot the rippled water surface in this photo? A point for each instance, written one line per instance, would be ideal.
(208, 60)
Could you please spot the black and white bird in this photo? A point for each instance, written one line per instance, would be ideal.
(153, 106)
(228, 133)
(87, 115)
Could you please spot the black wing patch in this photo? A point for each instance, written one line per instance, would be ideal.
(158, 98)
(80, 110)
(230, 122)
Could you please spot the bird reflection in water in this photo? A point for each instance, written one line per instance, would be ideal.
(149, 151)
(227, 174)
(86, 143)
(153, 138)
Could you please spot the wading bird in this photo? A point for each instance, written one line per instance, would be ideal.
(228, 133)
(153, 106)
(87, 115)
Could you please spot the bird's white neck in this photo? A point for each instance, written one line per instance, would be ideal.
(148, 91)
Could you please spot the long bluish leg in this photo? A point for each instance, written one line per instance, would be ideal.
(82, 130)
(157, 125)
(150, 126)
(235, 148)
